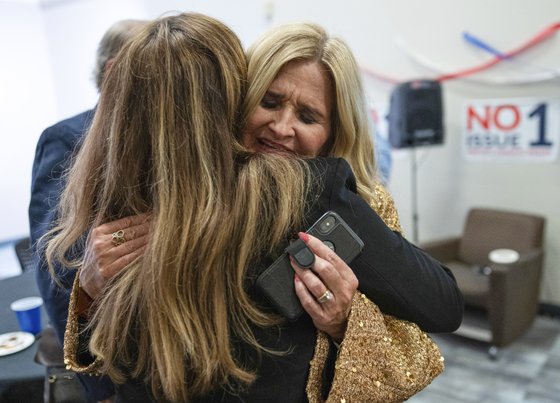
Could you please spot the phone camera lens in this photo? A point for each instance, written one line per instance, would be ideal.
(327, 225)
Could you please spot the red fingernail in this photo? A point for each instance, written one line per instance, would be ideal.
(303, 236)
(296, 277)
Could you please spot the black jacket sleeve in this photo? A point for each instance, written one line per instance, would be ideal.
(399, 277)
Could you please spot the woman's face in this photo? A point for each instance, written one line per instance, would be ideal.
(295, 113)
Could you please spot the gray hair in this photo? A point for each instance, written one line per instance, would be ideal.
(113, 40)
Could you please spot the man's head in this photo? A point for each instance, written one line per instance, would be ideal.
(113, 40)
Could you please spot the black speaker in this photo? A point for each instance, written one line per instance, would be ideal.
(416, 114)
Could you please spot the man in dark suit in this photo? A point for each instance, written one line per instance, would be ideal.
(53, 155)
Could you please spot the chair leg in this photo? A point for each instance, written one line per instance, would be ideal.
(494, 353)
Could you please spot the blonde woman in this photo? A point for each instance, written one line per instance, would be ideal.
(183, 323)
(276, 60)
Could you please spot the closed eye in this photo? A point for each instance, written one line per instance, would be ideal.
(270, 101)
(308, 116)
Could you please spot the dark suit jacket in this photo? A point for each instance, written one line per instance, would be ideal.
(55, 148)
(400, 278)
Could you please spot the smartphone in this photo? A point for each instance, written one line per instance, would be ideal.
(276, 283)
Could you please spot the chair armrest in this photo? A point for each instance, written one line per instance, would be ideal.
(443, 250)
(514, 294)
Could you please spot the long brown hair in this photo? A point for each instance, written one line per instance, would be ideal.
(163, 140)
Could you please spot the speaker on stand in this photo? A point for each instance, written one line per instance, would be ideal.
(416, 119)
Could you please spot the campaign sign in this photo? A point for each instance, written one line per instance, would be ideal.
(513, 130)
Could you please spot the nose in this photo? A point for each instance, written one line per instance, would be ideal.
(282, 125)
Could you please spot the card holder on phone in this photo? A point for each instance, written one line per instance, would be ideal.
(276, 283)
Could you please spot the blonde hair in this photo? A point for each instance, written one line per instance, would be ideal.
(163, 140)
(350, 136)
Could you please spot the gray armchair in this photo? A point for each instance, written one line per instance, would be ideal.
(503, 295)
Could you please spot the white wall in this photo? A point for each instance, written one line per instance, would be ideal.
(52, 49)
(73, 29)
(27, 104)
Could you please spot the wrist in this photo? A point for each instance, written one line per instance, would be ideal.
(338, 337)
(83, 303)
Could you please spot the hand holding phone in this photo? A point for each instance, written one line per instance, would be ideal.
(277, 282)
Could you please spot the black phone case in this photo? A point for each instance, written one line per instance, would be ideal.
(276, 283)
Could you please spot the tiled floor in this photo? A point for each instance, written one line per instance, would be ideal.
(527, 371)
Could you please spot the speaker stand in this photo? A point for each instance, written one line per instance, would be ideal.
(414, 192)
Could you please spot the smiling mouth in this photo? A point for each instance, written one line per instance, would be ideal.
(270, 146)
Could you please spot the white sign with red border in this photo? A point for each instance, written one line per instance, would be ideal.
(512, 130)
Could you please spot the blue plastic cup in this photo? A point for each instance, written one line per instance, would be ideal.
(28, 312)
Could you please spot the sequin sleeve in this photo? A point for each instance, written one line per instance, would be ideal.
(75, 344)
(384, 206)
(401, 359)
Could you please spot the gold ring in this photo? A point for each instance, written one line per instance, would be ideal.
(118, 237)
(327, 296)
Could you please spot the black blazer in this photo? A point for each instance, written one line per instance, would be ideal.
(402, 279)
(53, 154)
(399, 277)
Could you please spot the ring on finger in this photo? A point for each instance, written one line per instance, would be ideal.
(117, 238)
(327, 296)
